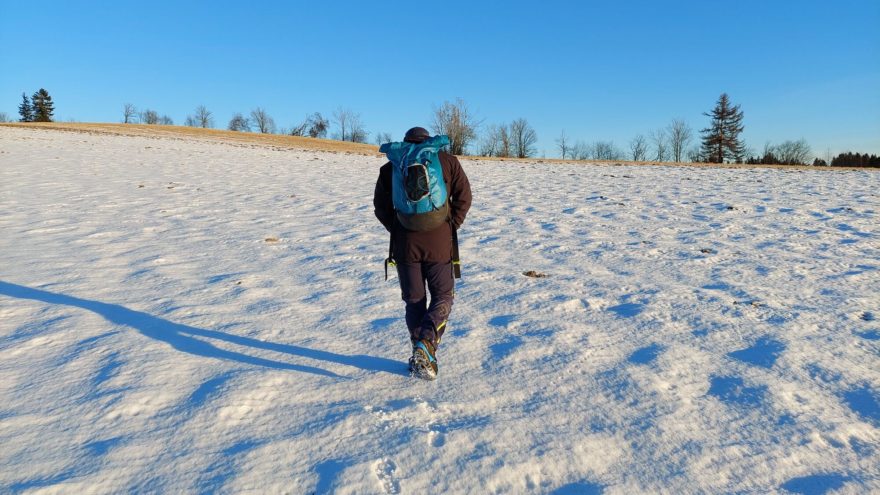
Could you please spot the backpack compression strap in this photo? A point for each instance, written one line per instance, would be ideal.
(456, 263)
(389, 261)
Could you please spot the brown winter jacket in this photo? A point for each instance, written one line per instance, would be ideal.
(433, 245)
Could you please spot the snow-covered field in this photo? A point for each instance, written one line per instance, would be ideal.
(187, 316)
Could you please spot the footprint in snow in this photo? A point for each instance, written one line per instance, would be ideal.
(501, 350)
(865, 402)
(502, 320)
(436, 438)
(627, 310)
(385, 473)
(763, 353)
(581, 488)
(733, 391)
(816, 484)
(438, 431)
(645, 355)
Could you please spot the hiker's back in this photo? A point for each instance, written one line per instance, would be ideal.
(419, 192)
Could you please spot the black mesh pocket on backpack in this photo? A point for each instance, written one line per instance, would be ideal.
(415, 183)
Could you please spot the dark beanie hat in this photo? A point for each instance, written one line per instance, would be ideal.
(416, 135)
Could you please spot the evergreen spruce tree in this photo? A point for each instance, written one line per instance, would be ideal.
(43, 107)
(721, 138)
(25, 109)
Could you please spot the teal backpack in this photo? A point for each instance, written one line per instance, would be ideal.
(417, 186)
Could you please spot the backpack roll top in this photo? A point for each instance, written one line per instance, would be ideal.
(418, 188)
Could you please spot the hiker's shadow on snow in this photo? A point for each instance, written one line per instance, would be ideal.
(194, 340)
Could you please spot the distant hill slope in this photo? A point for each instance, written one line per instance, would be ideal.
(173, 131)
(330, 145)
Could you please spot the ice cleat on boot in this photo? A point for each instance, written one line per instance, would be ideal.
(423, 363)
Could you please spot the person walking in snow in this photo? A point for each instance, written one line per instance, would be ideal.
(422, 197)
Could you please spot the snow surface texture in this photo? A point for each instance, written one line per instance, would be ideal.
(186, 316)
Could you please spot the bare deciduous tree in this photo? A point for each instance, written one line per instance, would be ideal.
(455, 121)
(680, 135)
(769, 149)
(505, 148)
(166, 120)
(523, 138)
(343, 118)
(300, 129)
(788, 153)
(581, 151)
(4, 117)
(265, 123)
(605, 150)
(350, 126)
(793, 152)
(661, 149)
(150, 117)
(129, 112)
(357, 134)
(203, 117)
(638, 148)
(497, 141)
(491, 141)
(383, 137)
(239, 123)
(564, 145)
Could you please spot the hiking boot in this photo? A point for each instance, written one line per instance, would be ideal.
(413, 343)
(423, 363)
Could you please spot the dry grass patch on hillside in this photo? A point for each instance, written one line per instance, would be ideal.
(173, 131)
(330, 145)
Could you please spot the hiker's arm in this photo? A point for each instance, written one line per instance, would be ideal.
(384, 206)
(461, 193)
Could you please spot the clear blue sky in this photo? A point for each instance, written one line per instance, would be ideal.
(599, 70)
